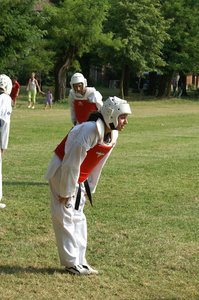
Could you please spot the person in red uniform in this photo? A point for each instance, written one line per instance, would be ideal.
(15, 91)
(83, 99)
(74, 171)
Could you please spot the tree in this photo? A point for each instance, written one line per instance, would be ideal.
(141, 30)
(74, 27)
(181, 51)
(19, 34)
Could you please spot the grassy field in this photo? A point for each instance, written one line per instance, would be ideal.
(143, 228)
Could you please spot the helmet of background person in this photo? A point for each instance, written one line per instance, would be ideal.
(5, 84)
(78, 78)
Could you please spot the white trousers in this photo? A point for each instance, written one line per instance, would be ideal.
(1, 192)
(70, 227)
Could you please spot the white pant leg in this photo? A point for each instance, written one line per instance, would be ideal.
(70, 227)
(1, 192)
(81, 230)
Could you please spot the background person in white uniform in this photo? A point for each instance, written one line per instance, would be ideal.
(82, 99)
(5, 112)
(78, 159)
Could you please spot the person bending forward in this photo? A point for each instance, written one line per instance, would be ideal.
(74, 171)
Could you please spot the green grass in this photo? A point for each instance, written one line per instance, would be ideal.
(143, 228)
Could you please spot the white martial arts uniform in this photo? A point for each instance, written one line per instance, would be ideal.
(5, 113)
(69, 224)
(80, 112)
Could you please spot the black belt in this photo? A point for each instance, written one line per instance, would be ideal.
(88, 192)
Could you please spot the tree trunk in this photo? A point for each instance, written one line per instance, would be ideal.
(164, 85)
(183, 80)
(152, 88)
(60, 76)
(121, 92)
(168, 83)
(126, 80)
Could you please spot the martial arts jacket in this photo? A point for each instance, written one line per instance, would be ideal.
(5, 113)
(80, 140)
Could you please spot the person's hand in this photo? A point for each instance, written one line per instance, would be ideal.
(63, 200)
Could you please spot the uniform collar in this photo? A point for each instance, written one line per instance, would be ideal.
(100, 129)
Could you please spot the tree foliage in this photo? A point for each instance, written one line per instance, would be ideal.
(144, 35)
(19, 33)
(74, 27)
(141, 30)
(181, 51)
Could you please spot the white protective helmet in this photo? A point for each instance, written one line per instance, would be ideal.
(112, 108)
(5, 84)
(78, 78)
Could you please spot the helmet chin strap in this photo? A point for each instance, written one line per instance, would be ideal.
(112, 126)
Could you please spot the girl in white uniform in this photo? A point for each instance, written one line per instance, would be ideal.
(78, 159)
(5, 112)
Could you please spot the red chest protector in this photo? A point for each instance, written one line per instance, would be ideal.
(82, 109)
(94, 155)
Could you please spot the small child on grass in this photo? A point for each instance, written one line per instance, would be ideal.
(48, 99)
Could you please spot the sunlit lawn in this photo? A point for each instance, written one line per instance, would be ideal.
(143, 228)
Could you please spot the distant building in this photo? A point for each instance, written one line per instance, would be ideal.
(192, 81)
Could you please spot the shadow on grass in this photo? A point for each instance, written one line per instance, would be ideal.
(24, 183)
(17, 270)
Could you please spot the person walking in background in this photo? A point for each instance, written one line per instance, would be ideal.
(5, 112)
(31, 88)
(174, 84)
(75, 171)
(15, 91)
(82, 99)
(180, 87)
(48, 99)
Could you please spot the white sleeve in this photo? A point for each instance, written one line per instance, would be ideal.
(75, 152)
(70, 170)
(96, 97)
(5, 130)
(5, 113)
(72, 111)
